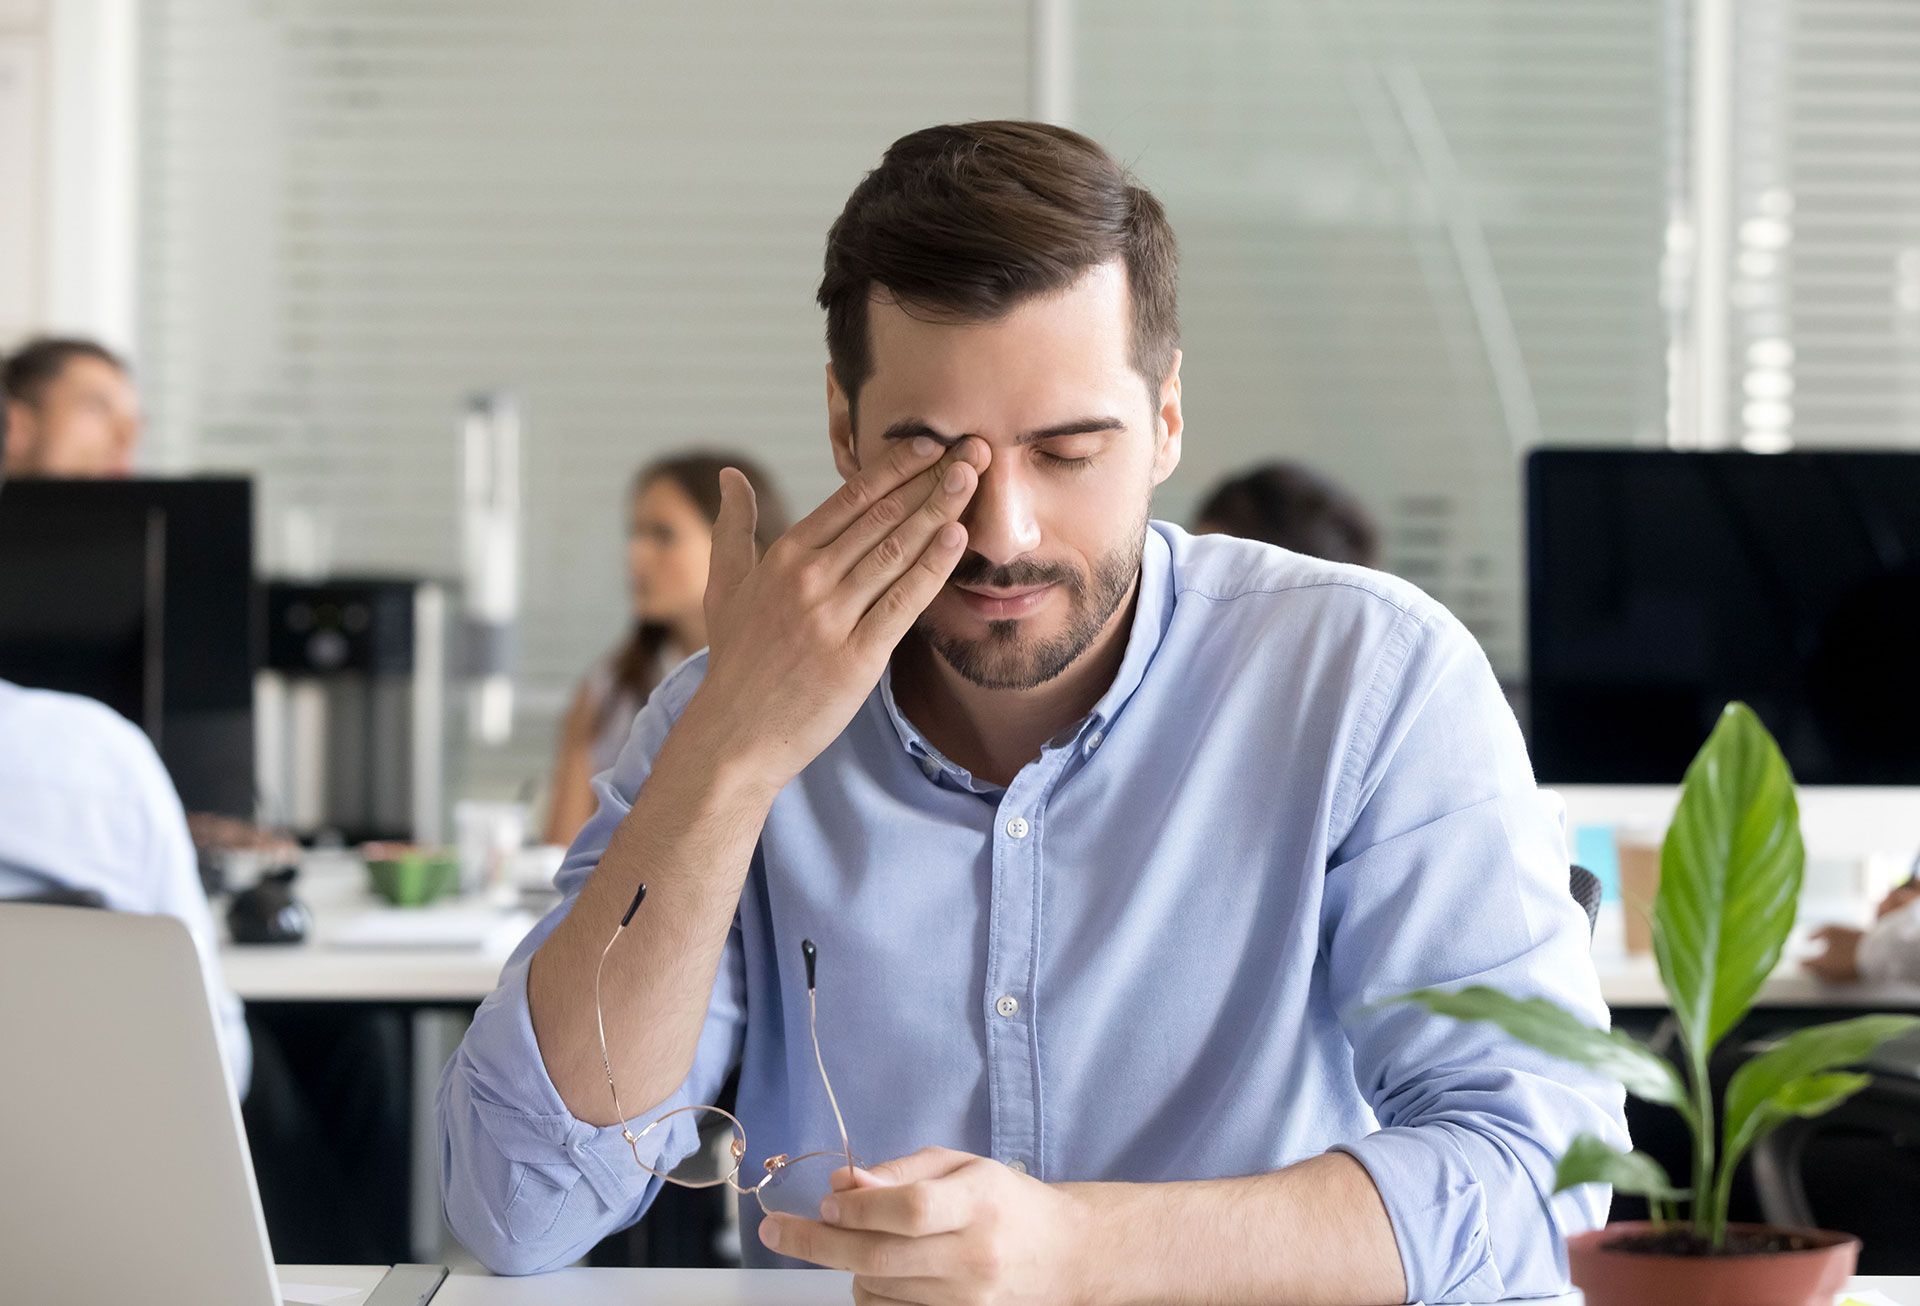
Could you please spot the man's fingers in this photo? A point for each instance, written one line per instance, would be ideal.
(889, 558)
(865, 1295)
(912, 1210)
(845, 505)
(911, 1292)
(927, 1163)
(856, 1250)
(895, 611)
(733, 548)
(935, 495)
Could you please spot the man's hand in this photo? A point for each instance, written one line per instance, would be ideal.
(1841, 960)
(1899, 898)
(942, 1227)
(799, 638)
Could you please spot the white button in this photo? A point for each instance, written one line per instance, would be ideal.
(1093, 740)
(1008, 1006)
(1017, 1166)
(1017, 828)
(930, 764)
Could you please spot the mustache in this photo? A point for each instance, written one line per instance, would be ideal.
(1021, 573)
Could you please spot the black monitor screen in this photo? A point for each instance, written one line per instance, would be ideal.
(140, 593)
(1661, 585)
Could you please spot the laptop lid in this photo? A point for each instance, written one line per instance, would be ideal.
(127, 1172)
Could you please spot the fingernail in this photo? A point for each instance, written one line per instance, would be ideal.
(951, 536)
(769, 1233)
(956, 478)
(830, 1210)
(924, 446)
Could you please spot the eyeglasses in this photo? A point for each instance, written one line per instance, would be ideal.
(790, 1185)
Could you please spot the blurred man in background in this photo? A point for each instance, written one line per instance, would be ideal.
(1294, 507)
(88, 814)
(71, 410)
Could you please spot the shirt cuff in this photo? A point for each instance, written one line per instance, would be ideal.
(1438, 1212)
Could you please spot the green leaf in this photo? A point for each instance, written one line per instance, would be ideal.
(1541, 1024)
(1788, 1064)
(1591, 1161)
(1813, 1095)
(1730, 875)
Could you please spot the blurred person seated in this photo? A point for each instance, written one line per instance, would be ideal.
(671, 512)
(71, 410)
(1888, 951)
(1290, 505)
(87, 807)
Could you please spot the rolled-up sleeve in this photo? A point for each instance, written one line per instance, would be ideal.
(1452, 870)
(528, 1186)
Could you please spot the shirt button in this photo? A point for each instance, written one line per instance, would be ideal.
(1017, 828)
(1093, 740)
(930, 765)
(1008, 1006)
(1017, 1166)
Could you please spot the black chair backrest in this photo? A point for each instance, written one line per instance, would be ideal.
(61, 898)
(1585, 887)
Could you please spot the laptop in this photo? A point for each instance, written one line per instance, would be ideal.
(127, 1172)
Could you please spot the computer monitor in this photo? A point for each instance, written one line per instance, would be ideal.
(1661, 585)
(140, 593)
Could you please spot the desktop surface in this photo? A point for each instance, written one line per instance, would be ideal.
(609, 1287)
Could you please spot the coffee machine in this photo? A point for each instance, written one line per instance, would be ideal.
(352, 709)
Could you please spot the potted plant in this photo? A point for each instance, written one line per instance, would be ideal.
(1730, 872)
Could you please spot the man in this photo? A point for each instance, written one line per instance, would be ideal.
(1295, 507)
(1114, 843)
(86, 805)
(72, 410)
(1887, 951)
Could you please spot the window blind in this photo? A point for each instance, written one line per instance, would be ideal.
(357, 212)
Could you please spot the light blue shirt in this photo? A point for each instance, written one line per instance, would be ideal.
(85, 803)
(1302, 794)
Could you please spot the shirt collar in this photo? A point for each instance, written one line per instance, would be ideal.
(1153, 610)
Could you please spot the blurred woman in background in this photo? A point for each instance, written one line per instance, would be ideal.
(669, 542)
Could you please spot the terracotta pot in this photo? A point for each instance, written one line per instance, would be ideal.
(1621, 1278)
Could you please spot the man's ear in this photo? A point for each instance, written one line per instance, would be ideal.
(23, 436)
(1168, 425)
(846, 456)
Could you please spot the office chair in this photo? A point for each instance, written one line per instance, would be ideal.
(61, 898)
(1855, 1169)
(1585, 887)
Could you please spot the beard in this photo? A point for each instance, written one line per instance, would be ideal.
(1009, 658)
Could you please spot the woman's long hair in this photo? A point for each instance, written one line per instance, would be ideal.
(636, 667)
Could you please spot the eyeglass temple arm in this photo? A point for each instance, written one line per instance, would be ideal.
(599, 1013)
(812, 955)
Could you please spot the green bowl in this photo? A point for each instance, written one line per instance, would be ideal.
(414, 879)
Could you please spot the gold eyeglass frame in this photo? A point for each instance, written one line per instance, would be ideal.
(773, 1165)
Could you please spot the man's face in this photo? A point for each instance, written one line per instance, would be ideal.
(85, 423)
(1078, 443)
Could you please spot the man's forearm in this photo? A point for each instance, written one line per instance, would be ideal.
(1314, 1234)
(689, 838)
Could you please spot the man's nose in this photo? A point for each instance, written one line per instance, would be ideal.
(1001, 522)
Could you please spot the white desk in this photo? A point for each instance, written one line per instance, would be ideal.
(1634, 983)
(334, 887)
(719, 1287)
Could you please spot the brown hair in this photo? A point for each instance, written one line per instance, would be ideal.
(35, 365)
(968, 220)
(1297, 508)
(636, 665)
